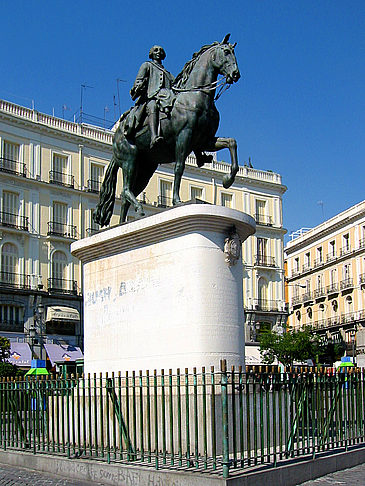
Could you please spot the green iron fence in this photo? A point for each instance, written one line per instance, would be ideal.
(209, 421)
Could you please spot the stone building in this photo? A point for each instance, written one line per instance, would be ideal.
(326, 277)
(51, 171)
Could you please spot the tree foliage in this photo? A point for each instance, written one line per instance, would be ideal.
(6, 368)
(298, 346)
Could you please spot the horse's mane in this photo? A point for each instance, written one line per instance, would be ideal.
(182, 77)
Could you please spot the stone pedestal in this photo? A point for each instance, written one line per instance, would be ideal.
(165, 291)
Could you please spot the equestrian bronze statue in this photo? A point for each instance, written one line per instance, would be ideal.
(170, 120)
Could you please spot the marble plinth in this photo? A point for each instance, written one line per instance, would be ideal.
(165, 291)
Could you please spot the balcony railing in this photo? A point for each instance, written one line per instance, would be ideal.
(164, 201)
(333, 321)
(321, 292)
(345, 250)
(91, 231)
(332, 289)
(264, 261)
(362, 278)
(61, 178)
(348, 283)
(266, 305)
(93, 186)
(12, 326)
(331, 257)
(318, 261)
(12, 220)
(306, 267)
(263, 219)
(296, 300)
(61, 229)
(14, 280)
(362, 243)
(62, 286)
(12, 167)
(348, 318)
(307, 296)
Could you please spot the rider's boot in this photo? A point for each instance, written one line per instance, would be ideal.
(153, 123)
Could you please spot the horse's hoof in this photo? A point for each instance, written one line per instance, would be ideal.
(227, 181)
(176, 202)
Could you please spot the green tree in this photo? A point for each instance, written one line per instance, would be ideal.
(6, 368)
(291, 346)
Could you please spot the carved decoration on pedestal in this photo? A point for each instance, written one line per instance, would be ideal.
(232, 248)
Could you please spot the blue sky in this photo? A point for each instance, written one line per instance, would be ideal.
(298, 109)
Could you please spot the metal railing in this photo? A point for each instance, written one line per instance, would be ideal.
(263, 219)
(61, 178)
(331, 257)
(307, 296)
(14, 280)
(12, 167)
(345, 250)
(332, 289)
(93, 186)
(348, 283)
(61, 229)
(362, 278)
(62, 286)
(91, 231)
(318, 261)
(12, 220)
(266, 305)
(321, 292)
(164, 201)
(306, 267)
(264, 261)
(296, 299)
(217, 422)
(348, 318)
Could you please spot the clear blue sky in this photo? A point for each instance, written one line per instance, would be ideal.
(298, 109)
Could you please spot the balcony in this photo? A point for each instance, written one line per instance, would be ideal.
(12, 167)
(333, 321)
(348, 318)
(11, 326)
(362, 279)
(318, 293)
(14, 280)
(61, 178)
(332, 289)
(321, 324)
(61, 229)
(318, 262)
(347, 284)
(296, 300)
(264, 261)
(62, 286)
(11, 220)
(164, 202)
(307, 297)
(93, 186)
(266, 305)
(345, 250)
(331, 257)
(91, 231)
(362, 243)
(306, 267)
(263, 220)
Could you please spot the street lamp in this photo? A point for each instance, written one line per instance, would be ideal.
(352, 335)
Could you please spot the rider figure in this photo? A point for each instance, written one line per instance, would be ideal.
(153, 87)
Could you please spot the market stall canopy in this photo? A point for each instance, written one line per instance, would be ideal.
(20, 354)
(58, 353)
(61, 313)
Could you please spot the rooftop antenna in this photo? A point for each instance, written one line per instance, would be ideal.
(114, 105)
(64, 108)
(119, 80)
(320, 203)
(106, 109)
(83, 86)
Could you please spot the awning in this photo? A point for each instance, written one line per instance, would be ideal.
(20, 354)
(65, 353)
(59, 313)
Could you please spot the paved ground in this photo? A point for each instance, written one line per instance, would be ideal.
(354, 475)
(16, 476)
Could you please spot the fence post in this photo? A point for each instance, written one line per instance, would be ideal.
(225, 432)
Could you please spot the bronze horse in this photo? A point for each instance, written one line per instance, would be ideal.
(191, 126)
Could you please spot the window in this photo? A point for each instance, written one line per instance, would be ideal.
(59, 173)
(10, 208)
(346, 242)
(226, 200)
(94, 227)
(97, 174)
(165, 197)
(296, 265)
(60, 212)
(260, 208)
(261, 248)
(307, 260)
(319, 282)
(196, 193)
(60, 163)
(319, 254)
(9, 264)
(332, 248)
(11, 317)
(346, 271)
(262, 290)
(59, 269)
(333, 276)
(11, 152)
(307, 286)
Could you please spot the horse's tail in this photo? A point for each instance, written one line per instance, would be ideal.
(104, 209)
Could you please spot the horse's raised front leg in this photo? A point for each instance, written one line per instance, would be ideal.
(231, 145)
(182, 150)
(129, 182)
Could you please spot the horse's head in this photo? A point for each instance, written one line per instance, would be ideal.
(224, 60)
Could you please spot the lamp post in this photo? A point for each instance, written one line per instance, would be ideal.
(352, 335)
(39, 315)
